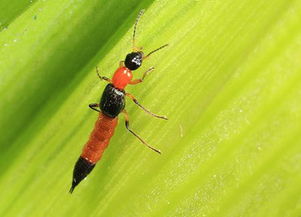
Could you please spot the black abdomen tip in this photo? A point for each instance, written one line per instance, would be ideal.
(81, 169)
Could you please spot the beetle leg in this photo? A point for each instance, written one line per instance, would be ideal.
(94, 106)
(146, 110)
(137, 81)
(132, 132)
(102, 77)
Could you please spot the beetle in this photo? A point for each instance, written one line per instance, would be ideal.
(112, 103)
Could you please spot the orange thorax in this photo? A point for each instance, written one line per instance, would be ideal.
(122, 77)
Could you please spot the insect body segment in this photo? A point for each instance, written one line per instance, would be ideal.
(122, 77)
(82, 168)
(112, 103)
(99, 138)
(133, 60)
(94, 148)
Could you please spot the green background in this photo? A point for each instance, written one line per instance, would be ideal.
(229, 82)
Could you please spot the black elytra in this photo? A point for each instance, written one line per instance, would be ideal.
(133, 60)
(112, 101)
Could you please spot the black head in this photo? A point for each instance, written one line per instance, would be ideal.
(133, 60)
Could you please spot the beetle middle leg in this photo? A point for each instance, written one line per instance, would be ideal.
(146, 110)
(94, 106)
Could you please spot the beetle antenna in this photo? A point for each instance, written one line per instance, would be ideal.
(165, 45)
(135, 27)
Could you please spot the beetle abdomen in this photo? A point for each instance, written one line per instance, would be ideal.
(99, 138)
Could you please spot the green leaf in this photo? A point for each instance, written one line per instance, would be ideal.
(229, 82)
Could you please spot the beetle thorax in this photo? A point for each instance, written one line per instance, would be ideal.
(122, 77)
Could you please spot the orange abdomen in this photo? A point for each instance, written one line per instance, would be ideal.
(99, 138)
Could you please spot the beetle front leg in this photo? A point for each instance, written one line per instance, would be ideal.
(102, 77)
(137, 81)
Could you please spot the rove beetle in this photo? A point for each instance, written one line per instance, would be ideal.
(112, 103)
